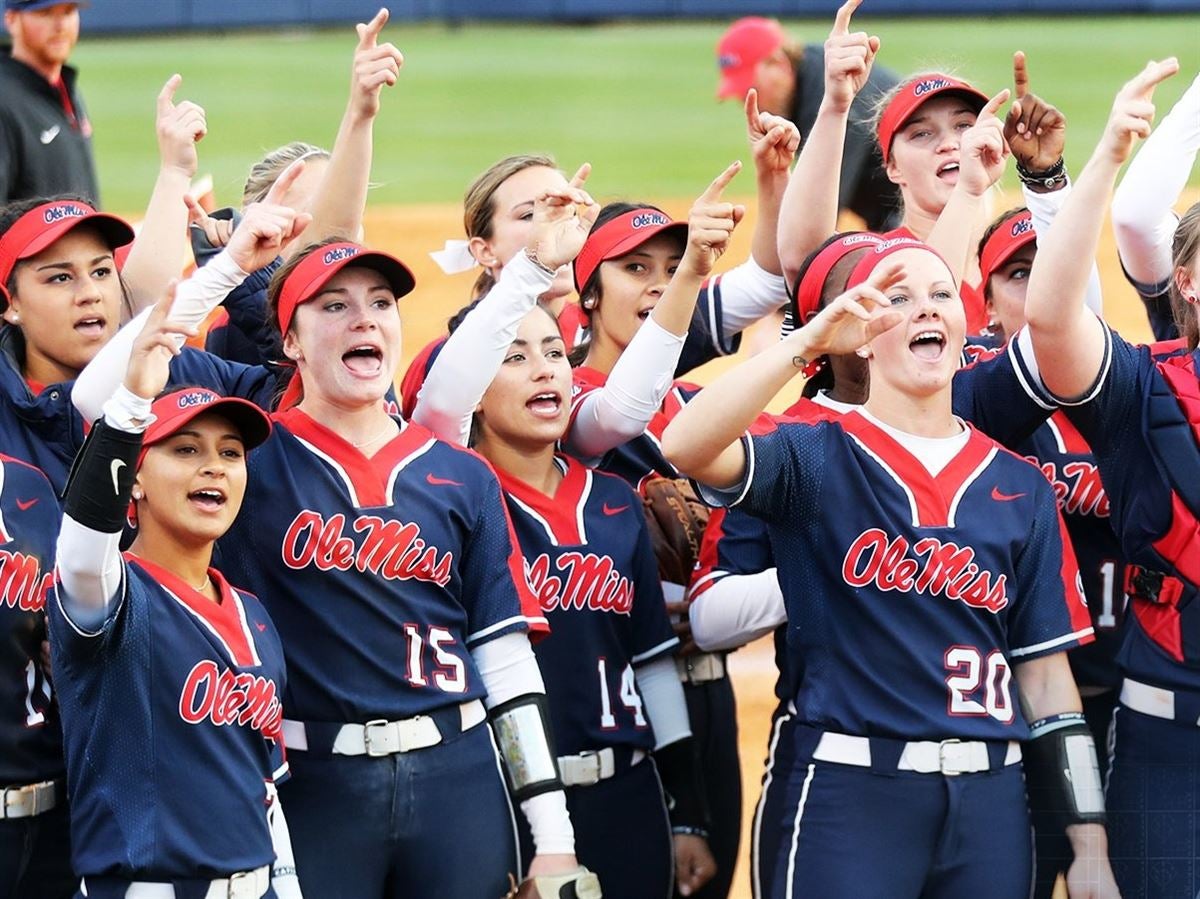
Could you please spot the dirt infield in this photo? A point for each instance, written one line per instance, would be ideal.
(412, 231)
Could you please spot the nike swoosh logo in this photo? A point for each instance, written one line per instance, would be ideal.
(117, 465)
(48, 135)
(1004, 497)
(24, 504)
(609, 510)
(441, 482)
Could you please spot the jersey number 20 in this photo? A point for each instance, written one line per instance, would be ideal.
(970, 674)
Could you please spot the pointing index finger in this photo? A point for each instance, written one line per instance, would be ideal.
(841, 23)
(751, 107)
(368, 34)
(994, 104)
(580, 177)
(713, 192)
(166, 96)
(1153, 75)
(284, 183)
(1020, 75)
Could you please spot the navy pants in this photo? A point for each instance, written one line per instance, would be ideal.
(621, 833)
(35, 857)
(1153, 800)
(713, 714)
(851, 831)
(770, 832)
(432, 822)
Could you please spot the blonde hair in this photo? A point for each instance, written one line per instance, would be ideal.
(267, 170)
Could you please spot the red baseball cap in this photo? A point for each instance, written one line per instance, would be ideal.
(619, 236)
(745, 44)
(810, 282)
(43, 225)
(322, 263)
(1014, 232)
(912, 94)
(174, 410)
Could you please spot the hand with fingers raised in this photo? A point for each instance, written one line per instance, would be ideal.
(710, 225)
(159, 342)
(855, 318)
(774, 140)
(375, 65)
(983, 151)
(1036, 131)
(268, 226)
(849, 57)
(1132, 115)
(562, 219)
(179, 128)
(217, 232)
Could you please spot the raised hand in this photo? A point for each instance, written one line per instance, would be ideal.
(375, 65)
(179, 128)
(268, 226)
(856, 317)
(710, 225)
(562, 218)
(983, 150)
(773, 139)
(1035, 131)
(848, 59)
(150, 358)
(216, 231)
(1133, 110)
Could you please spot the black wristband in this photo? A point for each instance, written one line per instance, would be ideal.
(101, 479)
(1053, 177)
(683, 789)
(1062, 771)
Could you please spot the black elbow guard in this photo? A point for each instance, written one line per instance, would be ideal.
(522, 729)
(1063, 771)
(683, 786)
(101, 479)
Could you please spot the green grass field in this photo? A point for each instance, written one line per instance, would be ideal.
(634, 99)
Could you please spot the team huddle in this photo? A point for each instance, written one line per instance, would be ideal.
(274, 626)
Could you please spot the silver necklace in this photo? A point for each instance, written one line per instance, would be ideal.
(207, 583)
(390, 424)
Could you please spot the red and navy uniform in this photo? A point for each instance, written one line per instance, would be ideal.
(172, 713)
(34, 851)
(592, 569)
(909, 606)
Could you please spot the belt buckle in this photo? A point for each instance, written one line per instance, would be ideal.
(954, 757)
(590, 769)
(380, 723)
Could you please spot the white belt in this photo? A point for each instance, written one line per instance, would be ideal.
(949, 757)
(1149, 700)
(587, 769)
(243, 885)
(25, 802)
(379, 738)
(701, 668)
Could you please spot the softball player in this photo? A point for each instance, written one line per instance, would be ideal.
(1138, 412)
(967, 540)
(165, 672)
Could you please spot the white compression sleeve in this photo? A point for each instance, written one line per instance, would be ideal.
(658, 682)
(471, 356)
(1143, 219)
(195, 298)
(1043, 208)
(749, 292)
(736, 609)
(621, 409)
(508, 669)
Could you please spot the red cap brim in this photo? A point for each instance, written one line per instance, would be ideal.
(1011, 235)
(619, 236)
(173, 411)
(735, 83)
(307, 278)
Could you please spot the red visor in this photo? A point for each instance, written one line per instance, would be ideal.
(173, 411)
(1013, 233)
(43, 225)
(867, 264)
(811, 282)
(307, 278)
(745, 44)
(912, 94)
(619, 236)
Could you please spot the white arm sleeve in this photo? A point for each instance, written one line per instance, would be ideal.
(509, 668)
(749, 292)
(471, 356)
(1143, 220)
(736, 609)
(658, 682)
(1043, 208)
(621, 409)
(195, 298)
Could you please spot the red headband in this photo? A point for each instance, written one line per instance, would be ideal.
(43, 225)
(306, 279)
(866, 265)
(910, 97)
(1012, 234)
(619, 236)
(811, 281)
(176, 409)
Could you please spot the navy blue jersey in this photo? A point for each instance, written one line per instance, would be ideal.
(30, 732)
(996, 390)
(171, 718)
(592, 569)
(1142, 420)
(1066, 460)
(910, 604)
(380, 573)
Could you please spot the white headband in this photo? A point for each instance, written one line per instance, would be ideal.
(454, 257)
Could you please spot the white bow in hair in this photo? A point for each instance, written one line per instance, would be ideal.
(454, 257)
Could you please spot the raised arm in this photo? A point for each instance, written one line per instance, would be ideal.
(1068, 339)
(159, 251)
(810, 203)
(342, 196)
